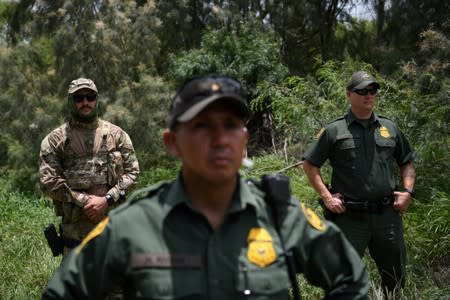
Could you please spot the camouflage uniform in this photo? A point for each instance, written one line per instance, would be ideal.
(80, 158)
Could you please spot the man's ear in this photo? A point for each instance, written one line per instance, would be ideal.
(247, 135)
(347, 93)
(169, 139)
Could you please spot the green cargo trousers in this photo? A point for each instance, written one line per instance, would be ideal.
(382, 233)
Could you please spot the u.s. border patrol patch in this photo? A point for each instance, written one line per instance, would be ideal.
(312, 218)
(384, 132)
(260, 247)
(94, 232)
(319, 134)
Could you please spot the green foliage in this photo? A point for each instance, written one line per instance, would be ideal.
(27, 262)
(141, 109)
(307, 103)
(434, 233)
(157, 174)
(113, 39)
(249, 53)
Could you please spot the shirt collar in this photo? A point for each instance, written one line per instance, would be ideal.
(246, 197)
(350, 117)
(241, 199)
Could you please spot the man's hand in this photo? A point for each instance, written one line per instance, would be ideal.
(335, 204)
(402, 201)
(95, 207)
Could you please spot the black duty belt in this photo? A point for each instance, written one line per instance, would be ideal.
(368, 206)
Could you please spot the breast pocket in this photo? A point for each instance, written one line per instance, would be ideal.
(271, 282)
(347, 151)
(167, 284)
(385, 149)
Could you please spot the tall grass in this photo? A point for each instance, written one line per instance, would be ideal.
(26, 263)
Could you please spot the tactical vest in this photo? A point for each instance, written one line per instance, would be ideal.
(84, 170)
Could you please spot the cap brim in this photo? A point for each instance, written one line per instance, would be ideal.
(198, 107)
(366, 83)
(71, 91)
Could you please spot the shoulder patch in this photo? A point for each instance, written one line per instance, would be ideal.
(313, 218)
(337, 119)
(148, 191)
(94, 233)
(384, 117)
(319, 134)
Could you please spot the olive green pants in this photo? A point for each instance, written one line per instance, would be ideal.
(382, 233)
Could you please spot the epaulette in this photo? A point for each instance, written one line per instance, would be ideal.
(384, 117)
(255, 186)
(273, 187)
(148, 192)
(337, 119)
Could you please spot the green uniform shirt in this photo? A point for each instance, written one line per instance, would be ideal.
(362, 157)
(160, 247)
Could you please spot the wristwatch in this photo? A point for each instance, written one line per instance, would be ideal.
(109, 199)
(409, 191)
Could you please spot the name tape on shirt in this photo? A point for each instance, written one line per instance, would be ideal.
(168, 260)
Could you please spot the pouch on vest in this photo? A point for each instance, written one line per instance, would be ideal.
(115, 167)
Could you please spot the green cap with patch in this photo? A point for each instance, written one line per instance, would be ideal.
(198, 92)
(360, 80)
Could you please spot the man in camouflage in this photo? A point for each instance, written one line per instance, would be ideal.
(86, 165)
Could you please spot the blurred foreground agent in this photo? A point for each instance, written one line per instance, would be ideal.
(363, 201)
(86, 166)
(209, 234)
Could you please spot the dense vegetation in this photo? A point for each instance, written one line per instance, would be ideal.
(293, 58)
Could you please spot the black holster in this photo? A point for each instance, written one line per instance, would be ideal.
(54, 240)
(327, 214)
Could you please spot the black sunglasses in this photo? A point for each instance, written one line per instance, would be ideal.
(80, 97)
(363, 92)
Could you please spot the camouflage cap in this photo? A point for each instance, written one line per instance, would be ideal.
(82, 83)
(198, 92)
(360, 80)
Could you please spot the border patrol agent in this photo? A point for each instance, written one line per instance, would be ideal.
(85, 166)
(209, 234)
(362, 148)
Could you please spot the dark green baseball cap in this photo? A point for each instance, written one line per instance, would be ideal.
(199, 92)
(360, 80)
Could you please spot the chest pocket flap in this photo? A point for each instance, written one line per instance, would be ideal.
(385, 142)
(347, 141)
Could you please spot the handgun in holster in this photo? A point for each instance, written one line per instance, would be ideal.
(54, 240)
(327, 214)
